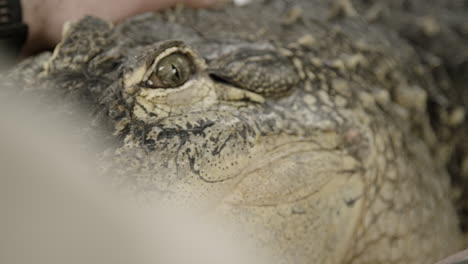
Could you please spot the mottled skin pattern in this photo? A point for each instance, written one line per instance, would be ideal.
(312, 135)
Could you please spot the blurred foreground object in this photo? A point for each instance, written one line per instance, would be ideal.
(56, 209)
(459, 258)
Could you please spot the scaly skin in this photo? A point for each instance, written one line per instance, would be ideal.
(314, 136)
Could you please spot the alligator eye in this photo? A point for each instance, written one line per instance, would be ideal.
(171, 71)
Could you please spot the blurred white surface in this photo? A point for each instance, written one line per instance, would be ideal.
(55, 210)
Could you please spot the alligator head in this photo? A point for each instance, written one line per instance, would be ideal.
(288, 130)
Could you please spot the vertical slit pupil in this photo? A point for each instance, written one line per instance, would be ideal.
(175, 71)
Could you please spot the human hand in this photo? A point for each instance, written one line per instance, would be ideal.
(45, 18)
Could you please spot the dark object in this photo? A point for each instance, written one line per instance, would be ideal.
(13, 32)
